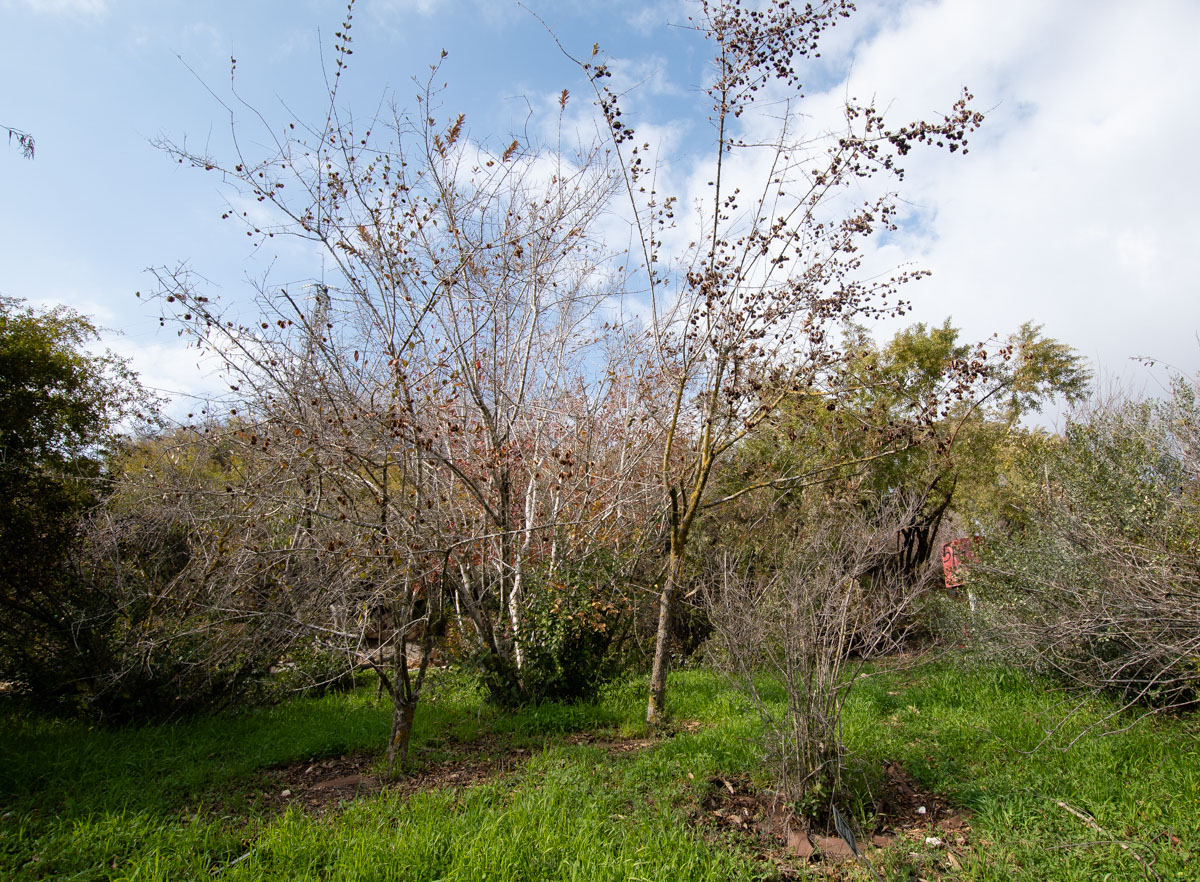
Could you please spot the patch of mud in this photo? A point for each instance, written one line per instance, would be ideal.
(933, 834)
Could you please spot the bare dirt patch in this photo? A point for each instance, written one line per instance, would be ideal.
(906, 807)
(931, 833)
(320, 786)
(619, 745)
(612, 745)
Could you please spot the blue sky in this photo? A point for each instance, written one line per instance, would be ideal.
(1075, 207)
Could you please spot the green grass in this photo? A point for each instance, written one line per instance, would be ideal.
(171, 802)
(972, 734)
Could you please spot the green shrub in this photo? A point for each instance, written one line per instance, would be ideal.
(575, 638)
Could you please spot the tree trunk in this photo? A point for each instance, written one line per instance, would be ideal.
(404, 701)
(402, 722)
(656, 707)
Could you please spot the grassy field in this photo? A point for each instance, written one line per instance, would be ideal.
(582, 792)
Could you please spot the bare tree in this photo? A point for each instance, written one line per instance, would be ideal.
(747, 314)
(336, 385)
(526, 367)
(439, 415)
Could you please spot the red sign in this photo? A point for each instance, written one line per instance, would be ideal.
(956, 554)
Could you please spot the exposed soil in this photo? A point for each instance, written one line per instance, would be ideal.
(324, 785)
(612, 745)
(933, 833)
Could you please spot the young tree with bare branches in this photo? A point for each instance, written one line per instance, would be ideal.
(25, 142)
(747, 315)
(809, 606)
(443, 423)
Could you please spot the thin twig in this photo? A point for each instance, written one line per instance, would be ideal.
(1091, 822)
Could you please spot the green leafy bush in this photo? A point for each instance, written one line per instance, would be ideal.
(575, 638)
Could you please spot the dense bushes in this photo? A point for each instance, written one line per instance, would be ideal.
(1097, 577)
(576, 636)
(170, 574)
(105, 601)
(131, 628)
(58, 409)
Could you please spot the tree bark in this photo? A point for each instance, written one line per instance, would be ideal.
(656, 707)
(405, 693)
(403, 713)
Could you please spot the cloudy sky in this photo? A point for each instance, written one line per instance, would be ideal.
(1076, 206)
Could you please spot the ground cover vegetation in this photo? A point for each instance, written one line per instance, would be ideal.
(385, 606)
(586, 791)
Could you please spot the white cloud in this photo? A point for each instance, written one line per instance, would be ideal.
(206, 35)
(171, 369)
(164, 362)
(650, 16)
(491, 10)
(1074, 206)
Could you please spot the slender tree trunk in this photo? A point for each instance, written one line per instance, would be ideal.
(680, 528)
(404, 707)
(379, 664)
(403, 713)
(405, 693)
(656, 708)
(516, 599)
